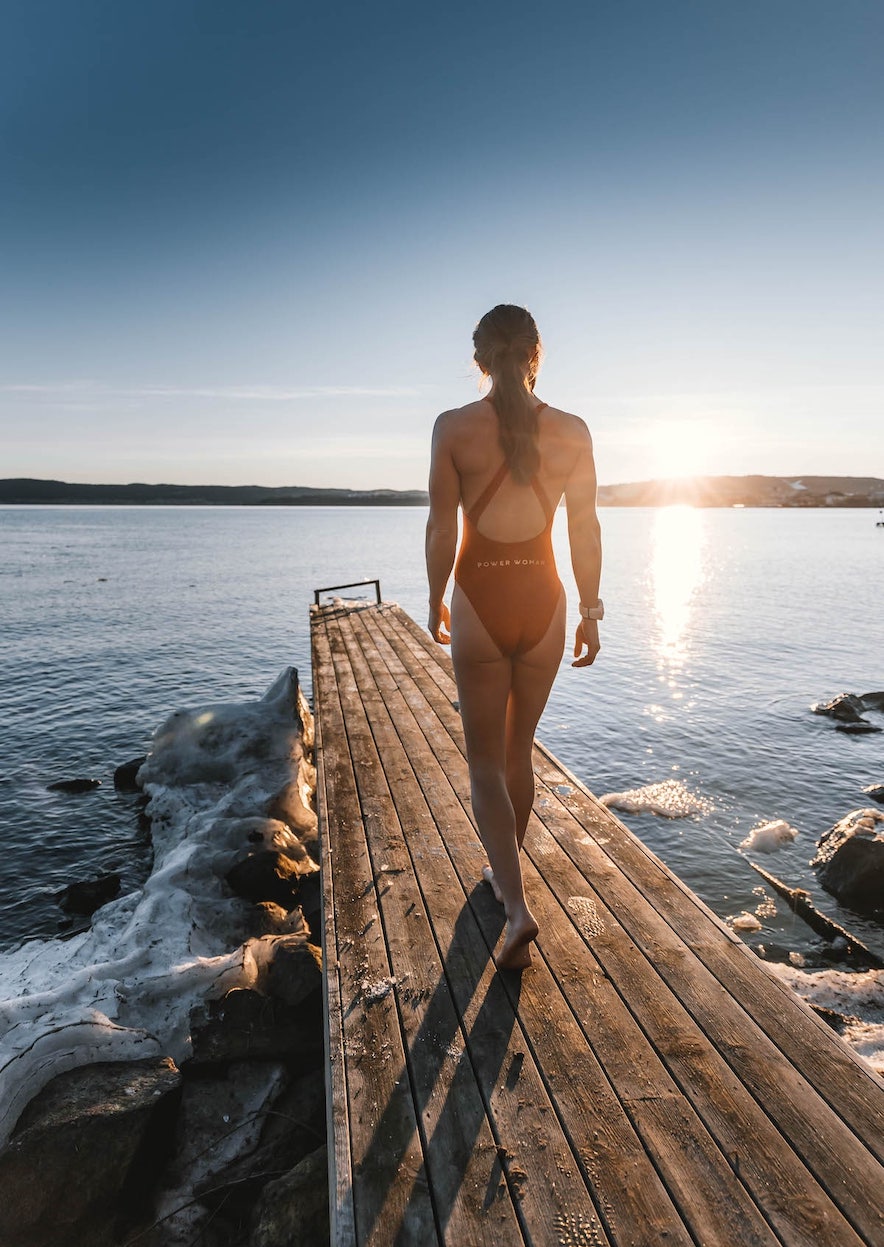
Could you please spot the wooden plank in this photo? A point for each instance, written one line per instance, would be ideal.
(798, 1210)
(700, 1177)
(599, 1131)
(461, 1154)
(784, 1215)
(492, 1035)
(340, 1172)
(803, 1037)
(709, 1107)
(850, 1087)
(390, 1192)
(827, 1145)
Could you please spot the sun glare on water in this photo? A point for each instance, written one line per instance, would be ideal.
(677, 573)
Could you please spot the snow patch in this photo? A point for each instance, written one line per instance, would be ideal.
(857, 996)
(124, 988)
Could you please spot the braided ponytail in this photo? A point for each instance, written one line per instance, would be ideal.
(507, 347)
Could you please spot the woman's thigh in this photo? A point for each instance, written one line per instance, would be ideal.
(484, 679)
(532, 678)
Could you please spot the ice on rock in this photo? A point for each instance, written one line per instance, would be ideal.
(670, 799)
(124, 989)
(768, 837)
(857, 996)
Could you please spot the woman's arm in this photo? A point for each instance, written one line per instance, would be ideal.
(441, 544)
(584, 534)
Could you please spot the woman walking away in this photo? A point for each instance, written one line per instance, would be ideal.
(507, 460)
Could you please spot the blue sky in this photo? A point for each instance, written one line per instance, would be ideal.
(248, 242)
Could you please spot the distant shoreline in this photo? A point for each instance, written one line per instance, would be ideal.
(833, 492)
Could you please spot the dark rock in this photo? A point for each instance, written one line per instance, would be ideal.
(831, 1017)
(862, 728)
(873, 701)
(850, 861)
(875, 791)
(310, 898)
(292, 1129)
(124, 776)
(293, 1210)
(74, 785)
(85, 1154)
(246, 1025)
(87, 895)
(266, 876)
(295, 971)
(220, 1121)
(846, 706)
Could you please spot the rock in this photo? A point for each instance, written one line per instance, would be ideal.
(848, 709)
(846, 706)
(291, 805)
(125, 776)
(310, 898)
(266, 876)
(293, 1210)
(294, 1127)
(270, 919)
(219, 1126)
(246, 1025)
(875, 791)
(850, 860)
(87, 895)
(74, 785)
(276, 836)
(295, 971)
(85, 1154)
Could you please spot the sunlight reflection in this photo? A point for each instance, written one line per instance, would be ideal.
(676, 575)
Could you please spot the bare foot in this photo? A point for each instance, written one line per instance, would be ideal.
(516, 951)
(488, 876)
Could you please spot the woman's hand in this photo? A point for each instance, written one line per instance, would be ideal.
(588, 635)
(439, 624)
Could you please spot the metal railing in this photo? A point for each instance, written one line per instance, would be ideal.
(353, 584)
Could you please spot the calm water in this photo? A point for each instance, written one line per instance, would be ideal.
(722, 628)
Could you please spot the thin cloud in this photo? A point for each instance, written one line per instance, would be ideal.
(234, 394)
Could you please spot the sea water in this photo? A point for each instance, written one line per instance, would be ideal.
(722, 628)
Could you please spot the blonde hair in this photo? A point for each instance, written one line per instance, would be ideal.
(508, 348)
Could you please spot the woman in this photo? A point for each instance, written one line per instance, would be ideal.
(507, 460)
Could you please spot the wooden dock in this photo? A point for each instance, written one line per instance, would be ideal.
(648, 1081)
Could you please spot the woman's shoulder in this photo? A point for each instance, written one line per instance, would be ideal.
(567, 426)
(458, 420)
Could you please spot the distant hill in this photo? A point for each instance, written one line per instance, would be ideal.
(702, 491)
(24, 490)
(749, 491)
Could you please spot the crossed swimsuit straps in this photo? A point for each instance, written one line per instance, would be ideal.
(513, 586)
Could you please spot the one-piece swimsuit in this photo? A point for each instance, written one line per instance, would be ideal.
(513, 586)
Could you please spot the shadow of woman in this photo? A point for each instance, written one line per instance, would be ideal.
(458, 1125)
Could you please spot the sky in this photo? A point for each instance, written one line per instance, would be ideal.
(248, 242)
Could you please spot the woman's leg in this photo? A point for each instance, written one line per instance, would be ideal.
(484, 682)
(532, 678)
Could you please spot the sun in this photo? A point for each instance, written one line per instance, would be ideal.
(677, 448)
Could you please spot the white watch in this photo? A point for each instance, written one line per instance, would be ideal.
(593, 612)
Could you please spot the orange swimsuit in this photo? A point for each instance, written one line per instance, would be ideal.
(513, 586)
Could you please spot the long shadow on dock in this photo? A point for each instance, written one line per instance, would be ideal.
(479, 1060)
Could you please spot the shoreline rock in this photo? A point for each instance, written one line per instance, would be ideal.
(850, 861)
(246, 1102)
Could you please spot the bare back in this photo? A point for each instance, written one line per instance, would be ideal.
(515, 512)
